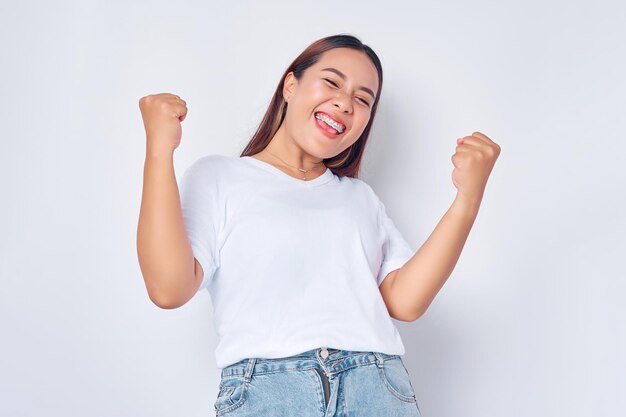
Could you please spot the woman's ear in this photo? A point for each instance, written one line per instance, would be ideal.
(289, 85)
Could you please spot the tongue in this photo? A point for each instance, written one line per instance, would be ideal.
(324, 125)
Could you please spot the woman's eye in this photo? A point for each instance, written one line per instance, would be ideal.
(335, 85)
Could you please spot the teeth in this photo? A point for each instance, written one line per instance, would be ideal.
(329, 122)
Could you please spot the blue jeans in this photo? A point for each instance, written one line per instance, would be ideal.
(320, 382)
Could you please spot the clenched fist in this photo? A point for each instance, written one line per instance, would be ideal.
(162, 115)
(473, 161)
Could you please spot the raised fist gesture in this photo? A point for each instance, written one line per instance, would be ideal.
(162, 116)
(473, 161)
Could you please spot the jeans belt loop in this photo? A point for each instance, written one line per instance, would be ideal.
(249, 369)
(380, 361)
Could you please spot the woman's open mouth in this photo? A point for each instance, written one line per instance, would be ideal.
(328, 126)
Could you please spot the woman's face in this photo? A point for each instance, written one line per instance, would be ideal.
(341, 85)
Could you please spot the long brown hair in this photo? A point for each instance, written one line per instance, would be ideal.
(346, 163)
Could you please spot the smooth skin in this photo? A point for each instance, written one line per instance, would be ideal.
(414, 286)
(165, 256)
(298, 141)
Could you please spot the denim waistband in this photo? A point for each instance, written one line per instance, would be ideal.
(337, 361)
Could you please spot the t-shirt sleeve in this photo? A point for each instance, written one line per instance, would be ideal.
(396, 250)
(202, 214)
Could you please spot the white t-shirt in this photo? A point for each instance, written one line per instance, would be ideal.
(290, 265)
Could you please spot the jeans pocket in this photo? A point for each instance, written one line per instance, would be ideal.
(396, 378)
(231, 395)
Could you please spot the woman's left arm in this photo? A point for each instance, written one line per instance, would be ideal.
(417, 282)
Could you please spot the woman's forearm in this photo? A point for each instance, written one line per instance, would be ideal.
(164, 252)
(419, 280)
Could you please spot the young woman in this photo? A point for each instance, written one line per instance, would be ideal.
(304, 267)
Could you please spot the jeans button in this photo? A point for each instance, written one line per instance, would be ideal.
(324, 353)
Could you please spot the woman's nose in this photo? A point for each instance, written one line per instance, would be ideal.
(343, 102)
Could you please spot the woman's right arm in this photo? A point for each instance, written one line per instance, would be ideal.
(170, 271)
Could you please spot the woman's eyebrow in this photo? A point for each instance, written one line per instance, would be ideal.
(343, 77)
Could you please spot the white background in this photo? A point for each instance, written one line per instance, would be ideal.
(531, 321)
